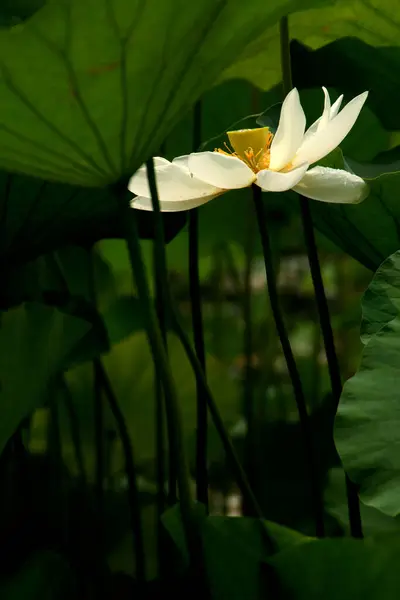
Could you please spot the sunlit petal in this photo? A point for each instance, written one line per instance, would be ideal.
(274, 181)
(173, 183)
(332, 185)
(220, 170)
(143, 203)
(182, 161)
(323, 141)
(329, 113)
(336, 106)
(290, 132)
(326, 115)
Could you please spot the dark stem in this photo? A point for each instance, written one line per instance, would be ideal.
(98, 420)
(198, 335)
(172, 497)
(322, 305)
(75, 432)
(174, 423)
(248, 379)
(55, 454)
(329, 344)
(318, 507)
(237, 469)
(130, 470)
(162, 368)
(160, 449)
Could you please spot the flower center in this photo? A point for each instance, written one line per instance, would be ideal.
(252, 146)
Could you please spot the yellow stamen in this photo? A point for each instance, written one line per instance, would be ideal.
(252, 146)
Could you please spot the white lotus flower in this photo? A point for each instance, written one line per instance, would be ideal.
(276, 163)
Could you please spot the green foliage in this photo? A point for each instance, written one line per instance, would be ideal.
(90, 89)
(369, 231)
(35, 343)
(343, 568)
(356, 64)
(234, 550)
(367, 423)
(131, 372)
(115, 102)
(372, 22)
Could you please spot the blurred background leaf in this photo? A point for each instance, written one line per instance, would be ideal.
(46, 576)
(340, 569)
(34, 344)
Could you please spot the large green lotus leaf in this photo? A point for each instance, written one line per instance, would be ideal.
(368, 419)
(381, 302)
(374, 522)
(35, 343)
(131, 372)
(372, 21)
(340, 569)
(89, 89)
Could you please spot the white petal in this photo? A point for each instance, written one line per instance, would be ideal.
(329, 113)
(290, 132)
(182, 161)
(174, 183)
(327, 139)
(311, 130)
(274, 181)
(141, 173)
(143, 203)
(336, 106)
(220, 170)
(326, 115)
(332, 185)
(139, 179)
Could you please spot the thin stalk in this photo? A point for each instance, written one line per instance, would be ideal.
(248, 379)
(163, 372)
(75, 432)
(55, 454)
(353, 503)
(130, 470)
(198, 334)
(237, 469)
(318, 507)
(174, 424)
(320, 296)
(160, 449)
(98, 420)
(172, 497)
